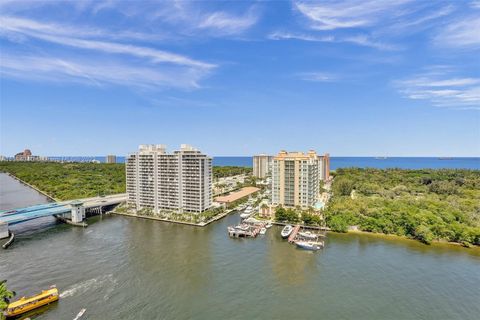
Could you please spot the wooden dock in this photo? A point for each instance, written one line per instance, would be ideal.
(293, 235)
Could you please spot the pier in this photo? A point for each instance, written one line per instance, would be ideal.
(293, 235)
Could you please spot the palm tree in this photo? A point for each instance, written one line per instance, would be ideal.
(5, 295)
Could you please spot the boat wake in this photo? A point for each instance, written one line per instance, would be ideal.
(105, 281)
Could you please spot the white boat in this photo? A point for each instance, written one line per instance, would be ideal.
(269, 225)
(80, 314)
(244, 215)
(309, 245)
(263, 230)
(286, 231)
(308, 235)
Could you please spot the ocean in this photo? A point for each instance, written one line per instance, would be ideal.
(344, 162)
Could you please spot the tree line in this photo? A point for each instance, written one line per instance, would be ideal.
(425, 204)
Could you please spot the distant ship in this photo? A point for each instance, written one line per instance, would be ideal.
(445, 158)
(381, 158)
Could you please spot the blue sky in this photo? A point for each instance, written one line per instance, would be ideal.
(353, 78)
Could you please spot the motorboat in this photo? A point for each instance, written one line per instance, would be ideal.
(309, 245)
(286, 231)
(263, 230)
(268, 225)
(80, 314)
(244, 215)
(308, 235)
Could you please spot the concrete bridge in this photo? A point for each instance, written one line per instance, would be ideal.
(72, 211)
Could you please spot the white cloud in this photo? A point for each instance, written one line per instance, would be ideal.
(11, 24)
(317, 76)
(442, 89)
(475, 4)
(98, 73)
(361, 39)
(367, 41)
(125, 64)
(278, 35)
(193, 20)
(461, 33)
(330, 15)
(227, 23)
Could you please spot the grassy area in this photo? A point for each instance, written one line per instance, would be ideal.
(66, 181)
(423, 204)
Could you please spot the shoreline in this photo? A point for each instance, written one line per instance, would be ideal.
(32, 187)
(201, 224)
(397, 237)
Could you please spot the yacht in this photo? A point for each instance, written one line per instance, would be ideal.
(244, 215)
(286, 231)
(308, 235)
(263, 230)
(309, 245)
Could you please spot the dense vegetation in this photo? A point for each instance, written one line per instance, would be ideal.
(423, 204)
(228, 171)
(5, 296)
(65, 181)
(292, 215)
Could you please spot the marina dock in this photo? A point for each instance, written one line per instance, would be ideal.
(293, 235)
(249, 228)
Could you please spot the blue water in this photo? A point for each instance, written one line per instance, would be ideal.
(341, 162)
(371, 162)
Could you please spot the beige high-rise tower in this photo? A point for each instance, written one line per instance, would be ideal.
(296, 178)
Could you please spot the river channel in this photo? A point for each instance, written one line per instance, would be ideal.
(128, 268)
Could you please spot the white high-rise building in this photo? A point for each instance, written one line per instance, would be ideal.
(262, 165)
(180, 181)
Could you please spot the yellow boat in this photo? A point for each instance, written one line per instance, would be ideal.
(26, 304)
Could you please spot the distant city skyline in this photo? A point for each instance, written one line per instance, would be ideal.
(351, 78)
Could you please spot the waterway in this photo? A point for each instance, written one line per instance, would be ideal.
(128, 268)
